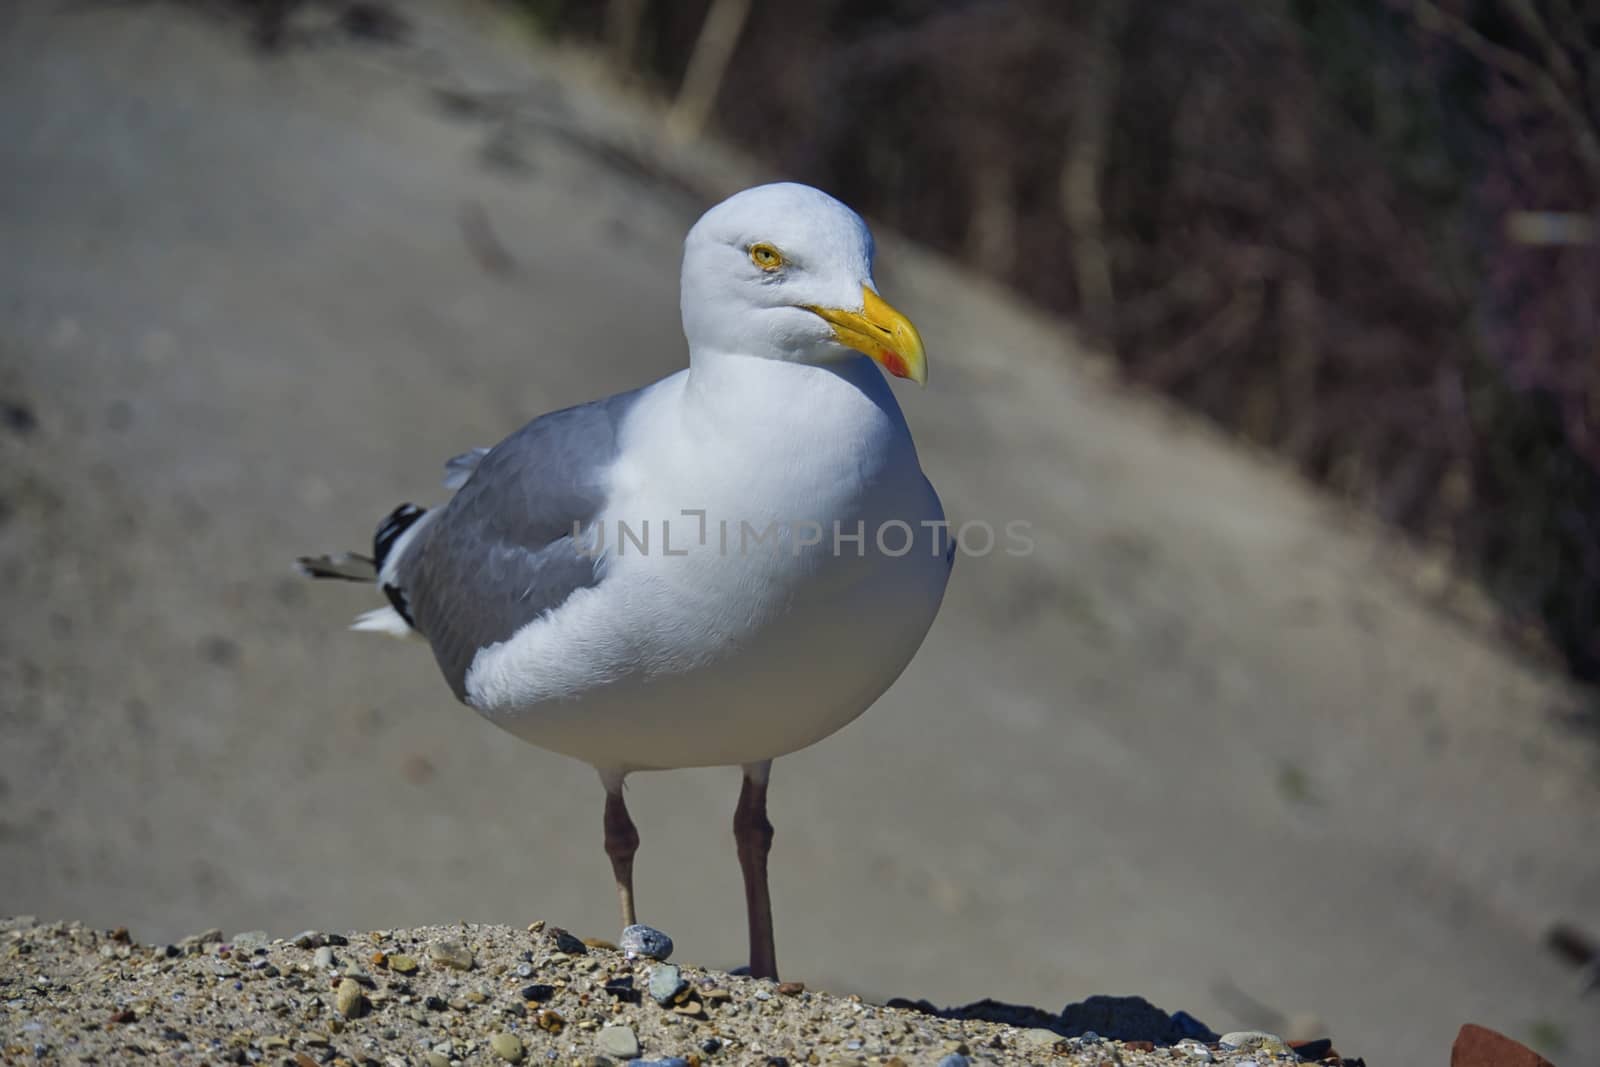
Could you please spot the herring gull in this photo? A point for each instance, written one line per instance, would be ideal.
(717, 569)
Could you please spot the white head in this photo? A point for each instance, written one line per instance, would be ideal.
(784, 272)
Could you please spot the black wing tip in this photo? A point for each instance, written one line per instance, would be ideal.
(347, 566)
(389, 530)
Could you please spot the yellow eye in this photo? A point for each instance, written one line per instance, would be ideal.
(766, 257)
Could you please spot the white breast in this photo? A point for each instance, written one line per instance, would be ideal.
(724, 638)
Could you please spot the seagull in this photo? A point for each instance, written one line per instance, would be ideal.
(717, 569)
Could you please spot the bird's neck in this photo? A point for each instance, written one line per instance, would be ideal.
(843, 407)
(718, 381)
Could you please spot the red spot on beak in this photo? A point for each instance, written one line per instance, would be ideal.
(895, 365)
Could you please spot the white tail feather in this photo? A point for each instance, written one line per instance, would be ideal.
(384, 620)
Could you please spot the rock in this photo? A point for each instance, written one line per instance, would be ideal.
(618, 1041)
(436, 1059)
(1185, 1025)
(350, 1000)
(537, 991)
(1316, 1049)
(1478, 1046)
(250, 939)
(452, 954)
(195, 942)
(1128, 1019)
(670, 1061)
(507, 1046)
(955, 1059)
(323, 960)
(567, 943)
(621, 987)
(1037, 1040)
(646, 941)
(400, 963)
(666, 982)
(1255, 1041)
(309, 939)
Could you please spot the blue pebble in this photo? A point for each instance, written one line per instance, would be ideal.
(646, 941)
(955, 1059)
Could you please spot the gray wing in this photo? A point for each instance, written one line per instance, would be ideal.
(501, 552)
(457, 469)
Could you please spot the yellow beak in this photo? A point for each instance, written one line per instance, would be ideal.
(882, 333)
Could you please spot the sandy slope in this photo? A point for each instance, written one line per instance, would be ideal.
(1197, 746)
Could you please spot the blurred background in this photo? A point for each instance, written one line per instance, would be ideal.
(1280, 322)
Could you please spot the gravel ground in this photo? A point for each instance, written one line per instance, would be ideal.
(445, 995)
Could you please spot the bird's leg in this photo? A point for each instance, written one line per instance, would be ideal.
(752, 833)
(622, 841)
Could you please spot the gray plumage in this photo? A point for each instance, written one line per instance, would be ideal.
(501, 552)
(457, 469)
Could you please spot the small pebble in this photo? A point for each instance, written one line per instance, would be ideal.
(619, 1041)
(400, 963)
(525, 970)
(349, 999)
(437, 1059)
(955, 1059)
(538, 991)
(507, 1046)
(567, 943)
(646, 941)
(323, 960)
(452, 954)
(666, 982)
(308, 939)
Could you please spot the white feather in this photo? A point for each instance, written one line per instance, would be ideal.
(384, 620)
